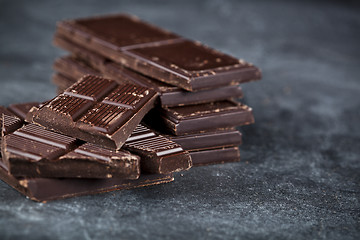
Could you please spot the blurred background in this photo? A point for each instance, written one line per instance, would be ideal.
(299, 175)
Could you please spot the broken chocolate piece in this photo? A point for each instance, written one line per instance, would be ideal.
(33, 151)
(96, 110)
(153, 157)
(158, 153)
(8, 121)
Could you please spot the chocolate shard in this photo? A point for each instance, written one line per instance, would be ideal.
(8, 121)
(96, 110)
(158, 153)
(86, 62)
(48, 189)
(157, 53)
(33, 151)
(215, 156)
(200, 118)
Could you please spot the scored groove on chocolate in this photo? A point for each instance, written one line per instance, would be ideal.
(87, 61)
(158, 151)
(96, 110)
(144, 138)
(84, 100)
(8, 122)
(32, 149)
(36, 152)
(37, 133)
(93, 89)
(100, 153)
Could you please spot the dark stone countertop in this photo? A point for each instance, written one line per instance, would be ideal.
(300, 172)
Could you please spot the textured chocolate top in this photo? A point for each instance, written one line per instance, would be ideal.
(144, 139)
(91, 151)
(36, 152)
(61, 147)
(8, 122)
(96, 106)
(99, 102)
(158, 153)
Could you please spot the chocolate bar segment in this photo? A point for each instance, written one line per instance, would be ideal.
(33, 151)
(158, 153)
(87, 62)
(96, 110)
(215, 156)
(208, 140)
(47, 189)
(157, 157)
(8, 122)
(200, 118)
(158, 53)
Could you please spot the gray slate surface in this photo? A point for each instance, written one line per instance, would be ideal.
(299, 176)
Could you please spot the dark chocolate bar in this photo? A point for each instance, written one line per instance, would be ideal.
(215, 156)
(47, 189)
(208, 140)
(157, 53)
(87, 62)
(96, 110)
(158, 153)
(200, 118)
(8, 122)
(33, 151)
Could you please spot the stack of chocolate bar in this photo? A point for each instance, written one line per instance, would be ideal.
(196, 84)
(135, 103)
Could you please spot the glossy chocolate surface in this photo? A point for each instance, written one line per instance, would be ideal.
(8, 122)
(33, 151)
(87, 61)
(200, 118)
(157, 53)
(158, 153)
(130, 30)
(96, 110)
